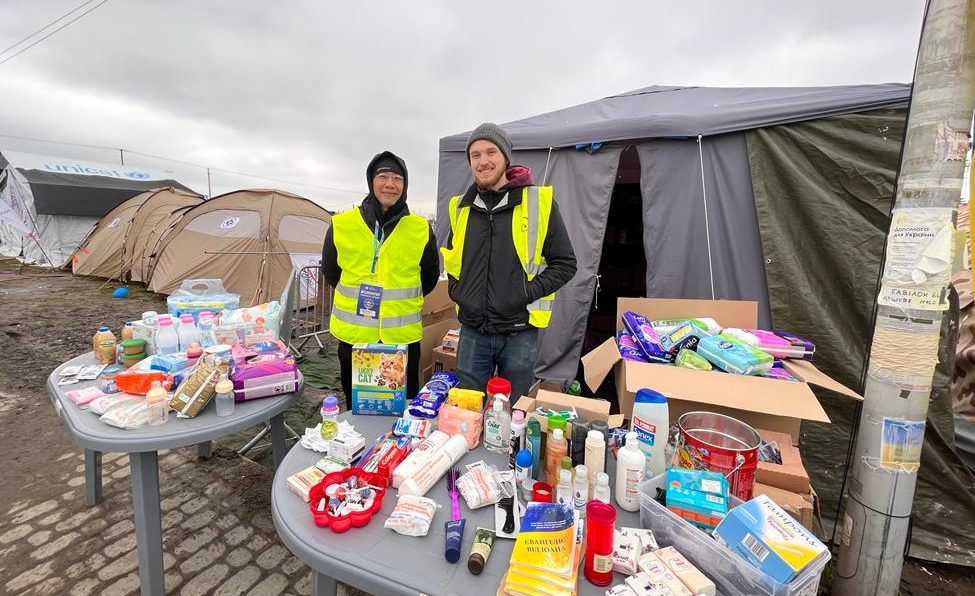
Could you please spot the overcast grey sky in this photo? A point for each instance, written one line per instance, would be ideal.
(310, 90)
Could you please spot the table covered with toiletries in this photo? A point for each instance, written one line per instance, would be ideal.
(142, 445)
(379, 560)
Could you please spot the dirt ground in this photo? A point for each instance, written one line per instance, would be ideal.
(47, 317)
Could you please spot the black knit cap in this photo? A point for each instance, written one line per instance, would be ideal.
(387, 164)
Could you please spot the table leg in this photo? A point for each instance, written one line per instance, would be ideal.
(93, 477)
(204, 450)
(323, 585)
(277, 439)
(148, 528)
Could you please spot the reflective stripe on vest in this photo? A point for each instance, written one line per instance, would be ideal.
(397, 270)
(529, 227)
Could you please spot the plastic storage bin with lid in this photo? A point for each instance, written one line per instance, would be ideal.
(733, 575)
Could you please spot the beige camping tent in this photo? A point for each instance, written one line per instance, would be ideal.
(249, 238)
(149, 226)
(109, 249)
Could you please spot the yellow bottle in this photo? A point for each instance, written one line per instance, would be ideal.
(103, 345)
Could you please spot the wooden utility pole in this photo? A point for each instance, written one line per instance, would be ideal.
(911, 303)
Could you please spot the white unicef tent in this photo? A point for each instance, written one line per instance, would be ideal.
(49, 204)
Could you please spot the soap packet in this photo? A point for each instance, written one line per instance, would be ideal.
(90, 372)
(480, 486)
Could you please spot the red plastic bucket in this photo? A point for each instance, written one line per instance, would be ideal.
(708, 441)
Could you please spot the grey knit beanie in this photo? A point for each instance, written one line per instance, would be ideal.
(493, 133)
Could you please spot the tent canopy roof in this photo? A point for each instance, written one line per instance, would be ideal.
(661, 111)
(66, 186)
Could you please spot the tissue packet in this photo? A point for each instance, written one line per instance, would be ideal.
(646, 338)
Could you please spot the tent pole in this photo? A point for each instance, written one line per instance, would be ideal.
(707, 222)
(547, 161)
(910, 306)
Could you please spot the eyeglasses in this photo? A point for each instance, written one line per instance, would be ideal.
(386, 178)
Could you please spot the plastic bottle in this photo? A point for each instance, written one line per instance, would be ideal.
(580, 428)
(517, 436)
(650, 422)
(603, 428)
(533, 442)
(563, 492)
(497, 428)
(225, 396)
(207, 329)
(555, 451)
(574, 388)
(601, 492)
(103, 345)
(167, 342)
(595, 457)
(128, 331)
(523, 466)
(187, 332)
(631, 463)
(580, 488)
(157, 407)
(330, 417)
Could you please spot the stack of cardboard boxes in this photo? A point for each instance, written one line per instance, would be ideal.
(787, 483)
(439, 317)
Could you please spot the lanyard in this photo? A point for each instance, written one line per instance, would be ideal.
(378, 238)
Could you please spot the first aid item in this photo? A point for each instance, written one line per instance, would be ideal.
(628, 348)
(646, 338)
(497, 427)
(405, 427)
(651, 422)
(770, 539)
(734, 357)
(412, 515)
(103, 345)
(167, 341)
(481, 485)
(600, 522)
(419, 457)
(379, 379)
(800, 345)
(158, 410)
(102, 404)
(690, 359)
(423, 479)
(301, 482)
(660, 574)
(595, 458)
(265, 375)
(685, 336)
(346, 446)
(224, 396)
(432, 395)
(197, 295)
(330, 415)
(130, 415)
(631, 464)
(691, 576)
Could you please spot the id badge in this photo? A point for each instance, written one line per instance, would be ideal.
(370, 297)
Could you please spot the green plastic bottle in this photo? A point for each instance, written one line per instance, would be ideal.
(330, 417)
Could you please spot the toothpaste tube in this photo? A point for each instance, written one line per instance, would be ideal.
(646, 338)
(685, 336)
(405, 427)
(628, 348)
(428, 400)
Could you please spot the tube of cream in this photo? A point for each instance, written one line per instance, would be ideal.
(455, 536)
(480, 550)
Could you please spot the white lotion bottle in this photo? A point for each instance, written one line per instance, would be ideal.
(630, 466)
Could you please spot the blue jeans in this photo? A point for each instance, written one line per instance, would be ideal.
(512, 353)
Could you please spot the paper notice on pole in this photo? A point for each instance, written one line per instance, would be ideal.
(904, 351)
(900, 444)
(920, 250)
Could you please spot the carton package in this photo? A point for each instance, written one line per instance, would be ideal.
(790, 475)
(586, 407)
(442, 360)
(437, 306)
(758, 401)
(450, 341)
(379, 379)
(799, 506)
(433, 335)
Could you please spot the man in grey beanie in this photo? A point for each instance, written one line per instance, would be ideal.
(507, 254)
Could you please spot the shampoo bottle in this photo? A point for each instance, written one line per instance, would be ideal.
(630, 466)
(651, 423)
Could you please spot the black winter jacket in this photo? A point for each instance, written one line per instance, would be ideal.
(494, 289)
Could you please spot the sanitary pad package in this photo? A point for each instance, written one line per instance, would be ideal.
(685, 336)
(265, 375)
(628, 348)
(646, 338)
(428, 400)
(770, 539)
(801, 345)
(734, 357)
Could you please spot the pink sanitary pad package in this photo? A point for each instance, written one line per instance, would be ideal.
(264, 375)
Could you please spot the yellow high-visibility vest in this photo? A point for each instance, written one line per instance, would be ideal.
(393, 263)
(529, 227)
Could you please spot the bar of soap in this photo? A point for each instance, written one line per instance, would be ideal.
(301, 483)
(626, 552)
(621, 590)
(659, 573)
(696, 582)
(641, 585)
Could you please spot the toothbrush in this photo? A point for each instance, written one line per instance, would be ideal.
(452, 475)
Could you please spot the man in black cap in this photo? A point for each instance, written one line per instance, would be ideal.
(381, 260)
(507, 254)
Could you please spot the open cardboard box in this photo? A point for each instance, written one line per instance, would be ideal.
(773, 404)
(790, 475)
(437, 305)
(588, 408)
(798, 505)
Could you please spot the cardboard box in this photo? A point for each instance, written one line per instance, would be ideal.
(432, 336)
(379, 379)
(441, 360)
(761, 402)
(587, 407)
(799, 506)
(437, 305)
(425, 374)
(791, 474)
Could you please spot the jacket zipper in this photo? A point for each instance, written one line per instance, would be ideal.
(487, 277)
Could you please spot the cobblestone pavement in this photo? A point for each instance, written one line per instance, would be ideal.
(217, 539)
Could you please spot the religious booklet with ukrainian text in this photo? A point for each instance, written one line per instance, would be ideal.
(545, 559)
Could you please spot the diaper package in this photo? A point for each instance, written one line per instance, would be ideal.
(628, 348)
(265, 375)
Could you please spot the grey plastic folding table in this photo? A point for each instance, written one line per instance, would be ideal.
(142, 446)
(383, 562)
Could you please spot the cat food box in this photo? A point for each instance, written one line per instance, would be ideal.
(378, 379)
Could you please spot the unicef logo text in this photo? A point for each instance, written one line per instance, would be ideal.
(137, 175)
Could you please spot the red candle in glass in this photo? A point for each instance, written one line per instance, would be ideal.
(600, 523)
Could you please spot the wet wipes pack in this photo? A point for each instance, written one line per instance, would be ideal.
(769, 538)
